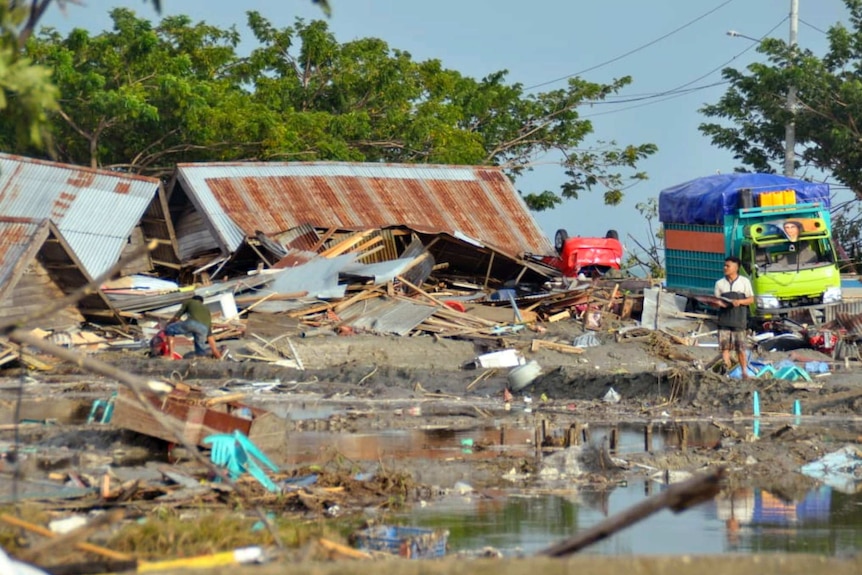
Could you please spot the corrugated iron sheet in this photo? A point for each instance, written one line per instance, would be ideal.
(386, 316)
(303, 237)
(18, 239)
(479, 202)
(94, 210)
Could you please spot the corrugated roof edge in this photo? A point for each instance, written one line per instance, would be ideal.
(345, 164)
(101, 171)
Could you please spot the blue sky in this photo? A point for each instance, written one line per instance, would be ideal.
(541, 42)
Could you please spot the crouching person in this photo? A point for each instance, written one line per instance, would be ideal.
(198, 324)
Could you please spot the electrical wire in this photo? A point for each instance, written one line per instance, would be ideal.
(634, 50)
(681, 89)
(813, 27)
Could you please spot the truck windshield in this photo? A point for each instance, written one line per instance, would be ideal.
(793, 256)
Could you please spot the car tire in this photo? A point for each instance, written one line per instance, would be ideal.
(560, 239)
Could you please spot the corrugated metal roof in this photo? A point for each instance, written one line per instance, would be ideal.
(17, 242)
(95, 210)
(479, 202)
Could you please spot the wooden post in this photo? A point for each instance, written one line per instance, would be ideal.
(615, 439)
(488, 273)
(546, 431)
(683, 437)
(572, 438)
(648, 438)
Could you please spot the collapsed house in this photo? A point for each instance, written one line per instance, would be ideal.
(470, 218)
(61, 226)
(37, 266)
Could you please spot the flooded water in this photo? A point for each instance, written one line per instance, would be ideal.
(306, 447)
(753, 520)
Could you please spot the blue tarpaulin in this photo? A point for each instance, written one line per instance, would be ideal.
(707, 200)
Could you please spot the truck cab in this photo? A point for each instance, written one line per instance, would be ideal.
(789, 258)
(780, 228)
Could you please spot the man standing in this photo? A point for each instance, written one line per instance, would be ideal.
(736, 295)
(198, 324)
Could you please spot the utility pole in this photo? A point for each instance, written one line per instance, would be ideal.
(790, 126)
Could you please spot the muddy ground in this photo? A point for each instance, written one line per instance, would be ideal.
(372, 381)
(367, 383)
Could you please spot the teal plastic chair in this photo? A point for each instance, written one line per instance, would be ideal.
(238, 454)
(792, 373)
(766, 370)
(107, 411)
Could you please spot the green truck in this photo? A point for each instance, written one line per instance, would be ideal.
(779, 227)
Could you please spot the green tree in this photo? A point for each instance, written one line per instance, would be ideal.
(139, 97)
(362, 100)
(27, 93)
(752, 114)
(648, 257)
(143, 97)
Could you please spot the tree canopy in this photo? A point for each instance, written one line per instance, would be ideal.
(752, 114)
(26, 89)
(143, 96)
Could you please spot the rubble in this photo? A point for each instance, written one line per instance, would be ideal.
(314, 307)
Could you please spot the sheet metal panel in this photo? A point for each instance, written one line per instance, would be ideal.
(94, 210)
(480, 202)
(16, 240)
(384, 316)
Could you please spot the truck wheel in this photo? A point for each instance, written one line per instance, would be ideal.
(559, 239)
(612, 234)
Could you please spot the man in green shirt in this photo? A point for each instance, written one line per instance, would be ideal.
(198, 324)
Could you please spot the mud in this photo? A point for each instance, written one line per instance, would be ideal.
(367, 384)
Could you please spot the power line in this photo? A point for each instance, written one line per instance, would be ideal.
(680, 90)
(634, 50)
(813, 27)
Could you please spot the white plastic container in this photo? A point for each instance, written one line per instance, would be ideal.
(524, 375)
(502, 358)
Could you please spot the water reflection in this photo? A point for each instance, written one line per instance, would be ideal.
(825, 521)
(751, 520)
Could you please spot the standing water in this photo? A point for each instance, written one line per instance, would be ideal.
(752, 520)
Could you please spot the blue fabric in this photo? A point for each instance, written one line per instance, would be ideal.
(707, 200)
(191, 327)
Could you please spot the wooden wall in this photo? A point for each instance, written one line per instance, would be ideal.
(33, 291)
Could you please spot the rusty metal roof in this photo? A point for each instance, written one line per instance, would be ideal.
(20, 238)
(478, 202)
(95, 210)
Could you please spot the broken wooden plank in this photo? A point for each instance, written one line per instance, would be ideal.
(346, 244)
(565, 314)
(80, 545)
(538, 344)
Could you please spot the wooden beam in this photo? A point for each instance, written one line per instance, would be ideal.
(538, 344)
(323, 239)
(346, 244)
(488, 273)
